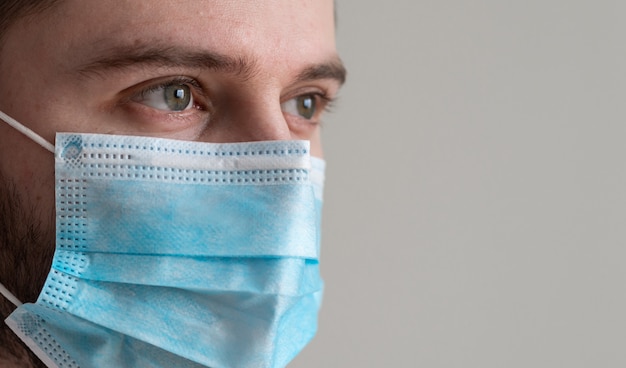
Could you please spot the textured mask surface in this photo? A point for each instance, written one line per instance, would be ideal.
(179, 254)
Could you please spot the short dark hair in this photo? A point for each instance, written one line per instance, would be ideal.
(13, 10)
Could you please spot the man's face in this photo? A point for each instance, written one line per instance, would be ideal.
(215, 71)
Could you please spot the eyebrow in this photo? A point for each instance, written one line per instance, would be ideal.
(131, 57)
(333, 69)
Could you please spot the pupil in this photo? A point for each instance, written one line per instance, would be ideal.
(177, 97)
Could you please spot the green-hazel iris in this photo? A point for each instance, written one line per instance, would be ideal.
(306, 106)
(177, 96)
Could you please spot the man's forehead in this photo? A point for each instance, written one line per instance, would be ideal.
(275, 33)
(267, 26)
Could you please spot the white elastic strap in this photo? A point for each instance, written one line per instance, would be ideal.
(27, 132)
(7, 294)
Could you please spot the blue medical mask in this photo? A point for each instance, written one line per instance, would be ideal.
(178, 254)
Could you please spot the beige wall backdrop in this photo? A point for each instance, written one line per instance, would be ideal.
(475, 211)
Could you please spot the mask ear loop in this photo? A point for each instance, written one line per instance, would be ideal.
(27, 132)
(10, 297)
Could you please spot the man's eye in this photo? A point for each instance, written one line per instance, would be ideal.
(304, 106)
(171, 97)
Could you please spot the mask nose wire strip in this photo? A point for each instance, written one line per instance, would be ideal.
(27, 132)
(10, 297)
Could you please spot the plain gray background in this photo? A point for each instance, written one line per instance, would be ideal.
(475, 209)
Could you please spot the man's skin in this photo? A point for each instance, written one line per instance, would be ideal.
(99, 66)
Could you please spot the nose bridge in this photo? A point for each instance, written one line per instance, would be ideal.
(252, 114)
(265, 123)
(248, 108)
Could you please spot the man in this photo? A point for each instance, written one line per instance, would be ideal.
(188, 70)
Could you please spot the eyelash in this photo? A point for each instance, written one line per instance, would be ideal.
(197, 88)
(326, 102)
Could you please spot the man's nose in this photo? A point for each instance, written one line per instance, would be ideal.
(265, 125)
(250, 120)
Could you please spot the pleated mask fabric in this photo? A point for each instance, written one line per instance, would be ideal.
(179, 254)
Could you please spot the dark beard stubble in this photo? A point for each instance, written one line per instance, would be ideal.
(26, 249)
